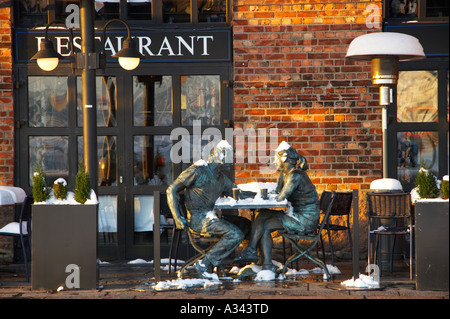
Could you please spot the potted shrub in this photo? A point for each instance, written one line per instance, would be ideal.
(431, 231)
(64, 223)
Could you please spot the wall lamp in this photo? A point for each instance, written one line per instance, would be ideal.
(129, 57)
(385, 50)
(47, 57)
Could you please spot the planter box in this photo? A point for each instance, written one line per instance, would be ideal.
(64, 246)
(432, 251)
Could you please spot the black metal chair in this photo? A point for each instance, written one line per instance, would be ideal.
(389, 215)
(201, 243)
(22, 229)
(326, 202)
(342, 206)
(160, 200)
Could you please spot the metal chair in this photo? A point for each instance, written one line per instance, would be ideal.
(389, 214)
(202, 244)
(326, 202)
(160, 200)
(342, 206)
(198, 241)
(22, 229)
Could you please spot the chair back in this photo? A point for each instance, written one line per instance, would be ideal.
(25, 213)
(389, 205)
(163, 206)
(326, 203)
(342, 203)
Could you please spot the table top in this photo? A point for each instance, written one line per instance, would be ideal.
(250, 203)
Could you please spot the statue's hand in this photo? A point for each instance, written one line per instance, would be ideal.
(181, 223)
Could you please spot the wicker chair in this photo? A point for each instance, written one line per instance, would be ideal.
(389, 215)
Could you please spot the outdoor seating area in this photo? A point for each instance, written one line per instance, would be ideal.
(168, 275)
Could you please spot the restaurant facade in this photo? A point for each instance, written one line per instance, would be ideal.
(255, 72)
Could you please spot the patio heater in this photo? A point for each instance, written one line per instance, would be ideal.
(385, 50)
(88, 61)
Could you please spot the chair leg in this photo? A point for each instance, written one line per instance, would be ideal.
(177, 244)
(331, 246)
(188, 263)
(378, 260)
(323, 249)
(350, 240)
(300, 253)
(392, 254)
(174, 241)
(411, 240)
(22, 242)
(170, 250)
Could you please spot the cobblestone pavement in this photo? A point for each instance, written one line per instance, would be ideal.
(120, 280)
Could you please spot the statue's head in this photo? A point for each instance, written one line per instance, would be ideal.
(285, 154)
(222, 154)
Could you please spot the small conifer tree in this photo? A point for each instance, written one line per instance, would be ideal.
(40, 191)
(426, 184)
(60, 188)
(82, 185)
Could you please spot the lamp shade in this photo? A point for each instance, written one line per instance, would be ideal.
(129, 57)
(379, 44)
(47, 58)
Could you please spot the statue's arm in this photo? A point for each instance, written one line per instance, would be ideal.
(173, 200)
(280, 184)
(228, 190)
(290, 183)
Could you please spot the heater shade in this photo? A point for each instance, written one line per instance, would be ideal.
(380, 44)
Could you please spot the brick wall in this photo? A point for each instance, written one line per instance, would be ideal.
(6, 130)
(290, 73)
(6, 101)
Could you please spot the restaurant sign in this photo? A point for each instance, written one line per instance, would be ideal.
(156, 46)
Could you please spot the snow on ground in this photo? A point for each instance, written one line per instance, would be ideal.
(259, 275)
(362, 282)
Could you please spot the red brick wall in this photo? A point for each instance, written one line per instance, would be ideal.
(290, 73)
(6, 101)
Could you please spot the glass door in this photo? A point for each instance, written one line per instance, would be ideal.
(165, 110)
(418, 126)
(141, 118)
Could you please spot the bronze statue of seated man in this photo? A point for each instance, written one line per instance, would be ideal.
(203, 183)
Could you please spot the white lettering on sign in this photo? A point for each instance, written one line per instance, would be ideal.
(170, 46)
(165, 46)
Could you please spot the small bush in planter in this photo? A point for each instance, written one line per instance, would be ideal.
(60, 188)
(82, 185)
(41, 192)
(426, 184)
(444, 187)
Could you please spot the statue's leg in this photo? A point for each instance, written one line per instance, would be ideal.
(266, 243)
(258, 228)
(230, 238)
